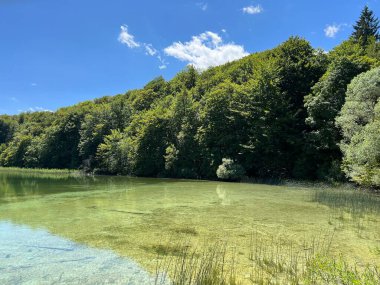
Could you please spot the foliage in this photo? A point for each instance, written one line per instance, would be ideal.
(323, 105)
(230, 171)
(7, 128)
(367, 26)
(273, 113)
(113, 154)
(360, 124)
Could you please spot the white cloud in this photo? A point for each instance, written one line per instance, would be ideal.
(206, 50)
(163, 62)
(33, 84)
(129, 40)
(150, 50)
(253, 9)
(202, 5)
(35, 109)
(126, 38)
(332, 30)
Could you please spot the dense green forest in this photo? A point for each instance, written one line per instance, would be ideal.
(290, 112)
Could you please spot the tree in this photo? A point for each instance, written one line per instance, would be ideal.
(266, 125)
(322, 153)
(366, 27)
(182, 155)
(112, 154)
(299, 67)
(95, 126)
(14, 153)
(7, 128)
(360, 124)
(148, 139)
(61, 141)
(222, 129)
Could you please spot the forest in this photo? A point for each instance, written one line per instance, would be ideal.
(292, 112)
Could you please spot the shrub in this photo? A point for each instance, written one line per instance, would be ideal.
(230, 170)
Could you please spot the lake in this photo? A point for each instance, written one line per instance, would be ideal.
(122, 226)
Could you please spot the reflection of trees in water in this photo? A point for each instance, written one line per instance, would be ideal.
(19, 184)
(221, 191)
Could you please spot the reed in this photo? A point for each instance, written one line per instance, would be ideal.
(356, 202)
(196, 267)
(272, 261)
(40, 172)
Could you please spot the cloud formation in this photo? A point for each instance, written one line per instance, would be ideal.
(331, 30)
(126, 38)
(202, 5)
(206, 50)
(252, 10)
(35, 109)
(150, 50)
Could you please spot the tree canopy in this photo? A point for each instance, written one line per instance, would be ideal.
(366, 27)
(290, 112)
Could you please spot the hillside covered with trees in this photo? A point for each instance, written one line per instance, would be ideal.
(290, 112)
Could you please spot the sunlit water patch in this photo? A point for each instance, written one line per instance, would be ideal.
(29, 256)
(140, 218)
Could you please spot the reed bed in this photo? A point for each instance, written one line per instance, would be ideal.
(272, 261)
(41, 172)
(356, 202)
(196, 267)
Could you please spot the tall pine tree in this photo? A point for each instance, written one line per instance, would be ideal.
(366, 27)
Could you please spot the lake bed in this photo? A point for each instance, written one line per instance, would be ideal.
(141, 219)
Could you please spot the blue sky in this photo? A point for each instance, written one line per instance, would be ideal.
(58, 53)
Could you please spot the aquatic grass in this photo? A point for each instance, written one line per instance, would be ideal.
(186, 231)
(272, 261)
(41, 172)
(196, 267)
(169, 249)
(324, 269)
(356, 202)
(280, 261)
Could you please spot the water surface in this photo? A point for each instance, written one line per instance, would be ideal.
(37, 257)
(132, 217)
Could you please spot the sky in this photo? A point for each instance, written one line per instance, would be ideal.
(62, 52)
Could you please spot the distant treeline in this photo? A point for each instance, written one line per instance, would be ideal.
(290, 112)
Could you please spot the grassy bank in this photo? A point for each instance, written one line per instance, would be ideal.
(41, 172)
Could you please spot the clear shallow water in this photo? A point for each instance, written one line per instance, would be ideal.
(133, 217)
(37, 257)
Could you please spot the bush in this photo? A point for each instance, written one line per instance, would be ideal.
(359, 121)
(230, 171)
